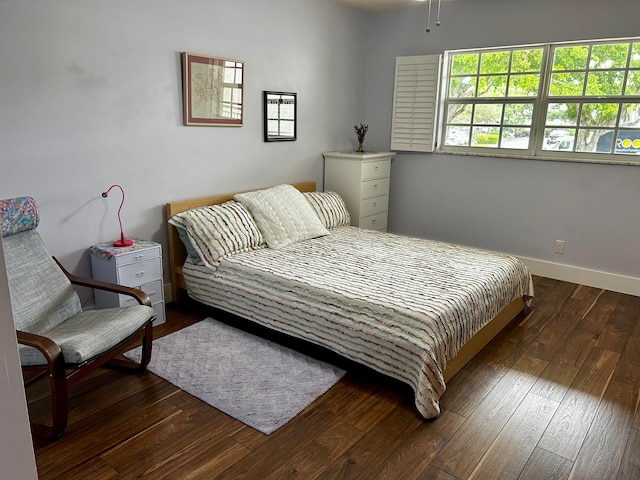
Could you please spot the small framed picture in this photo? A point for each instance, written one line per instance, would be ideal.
(213, 90)
(279, 116)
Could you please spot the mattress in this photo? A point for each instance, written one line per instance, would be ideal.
(401, 305)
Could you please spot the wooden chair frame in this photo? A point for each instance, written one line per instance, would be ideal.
(62, 375)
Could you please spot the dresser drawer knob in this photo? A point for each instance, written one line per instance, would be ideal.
(375, 204)
(373, 221)
(140, 274)
(376, 168)
(375, 187)
(139, 257)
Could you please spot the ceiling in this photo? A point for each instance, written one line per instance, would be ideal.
(376, 5)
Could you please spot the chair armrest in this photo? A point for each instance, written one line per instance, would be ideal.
(139, 295)
(49, 348)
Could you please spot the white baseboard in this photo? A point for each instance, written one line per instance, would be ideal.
(583, 276)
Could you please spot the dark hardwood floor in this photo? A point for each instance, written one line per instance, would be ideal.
(554, 396)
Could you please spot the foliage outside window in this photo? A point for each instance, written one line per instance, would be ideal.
(573, 100)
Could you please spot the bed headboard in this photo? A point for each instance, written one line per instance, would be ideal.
(177, 251)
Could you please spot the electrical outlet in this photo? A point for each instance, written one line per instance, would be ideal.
(559, 246)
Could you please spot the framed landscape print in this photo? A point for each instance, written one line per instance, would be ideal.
(213, 90)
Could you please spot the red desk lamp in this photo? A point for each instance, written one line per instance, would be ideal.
(123, 242)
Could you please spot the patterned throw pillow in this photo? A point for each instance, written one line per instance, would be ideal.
(330, 208)
(283, 215)
(218, 231)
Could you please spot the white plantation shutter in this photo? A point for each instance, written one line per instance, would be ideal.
(415, 96)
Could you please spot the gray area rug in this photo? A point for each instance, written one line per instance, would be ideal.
(254, 380)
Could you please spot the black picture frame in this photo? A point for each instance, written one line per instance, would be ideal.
(280, 116)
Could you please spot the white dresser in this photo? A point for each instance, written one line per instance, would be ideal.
(137, 266)
(362, 180)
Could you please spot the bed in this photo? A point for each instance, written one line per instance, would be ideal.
(413, 309)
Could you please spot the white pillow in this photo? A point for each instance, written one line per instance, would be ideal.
(283, 215)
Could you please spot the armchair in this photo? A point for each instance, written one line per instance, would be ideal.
(56, 336)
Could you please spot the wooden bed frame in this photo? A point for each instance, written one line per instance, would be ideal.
(178, 254)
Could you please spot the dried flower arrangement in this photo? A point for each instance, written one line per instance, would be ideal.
(361, 131)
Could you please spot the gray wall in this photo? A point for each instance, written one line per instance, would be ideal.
(515, 206)
(90, 95)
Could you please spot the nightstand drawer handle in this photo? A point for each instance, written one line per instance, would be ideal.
(151, 294)
(140, 274)
(373, 221)
(139, 257)
(375, 187)
(375, 204)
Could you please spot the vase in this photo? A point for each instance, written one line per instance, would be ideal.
(360, 147)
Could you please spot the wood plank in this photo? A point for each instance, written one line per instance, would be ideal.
(96, 437)
(460, 456)
(515, 443)
(194, 427)
(570, 424)
(562, 323)
(283, 443)
(621, 324)
(602, 451)
(546, 465)
(366, 456)
(574, 351)
(95, 469)
(433, 473)
(312, 460)
(630, 465)
(413, 455)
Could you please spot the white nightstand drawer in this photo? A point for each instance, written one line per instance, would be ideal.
(374, 222)
(374, 188)
(378, 169)
(138, 255)
(374, 205)
(153, 289)
(140, 273)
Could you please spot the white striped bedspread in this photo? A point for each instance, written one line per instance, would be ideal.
(400, 305)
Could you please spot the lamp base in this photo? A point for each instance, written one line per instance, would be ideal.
(125, 242)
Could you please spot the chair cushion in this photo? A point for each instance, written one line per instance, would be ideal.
(18, 215)
(91, 333)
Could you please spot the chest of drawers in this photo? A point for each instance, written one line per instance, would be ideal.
(137, 266)
(362, 180)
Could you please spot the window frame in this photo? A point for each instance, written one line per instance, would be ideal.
(540, 104)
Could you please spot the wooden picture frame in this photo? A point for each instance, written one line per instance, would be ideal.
(213, 90)
(280, 111)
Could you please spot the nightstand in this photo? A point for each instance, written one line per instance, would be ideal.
(139, 265)
(362, 180)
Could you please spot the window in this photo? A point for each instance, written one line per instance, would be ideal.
(572, 100)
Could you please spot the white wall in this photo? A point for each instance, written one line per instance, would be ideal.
(16, 450)
(90, 95)
(515, 206)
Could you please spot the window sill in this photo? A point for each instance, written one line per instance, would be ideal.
(635, 163)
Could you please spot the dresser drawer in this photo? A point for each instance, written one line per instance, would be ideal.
(153, 289)
(374, 188)
(140, 273)
(374, 222)
(374, 205)
(138, 255)
(379, 169)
